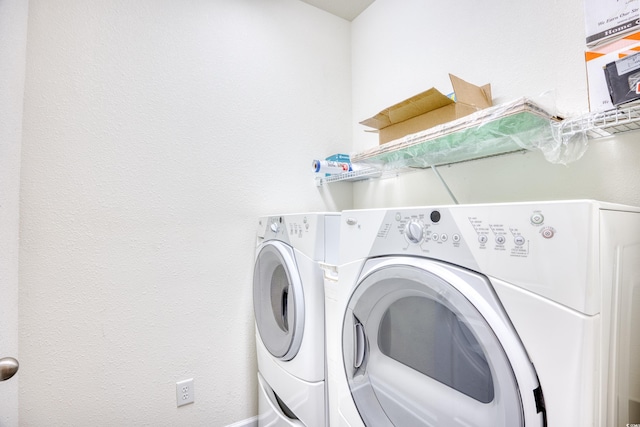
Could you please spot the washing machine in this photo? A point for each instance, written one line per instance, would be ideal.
(288, 299)
(524, 314)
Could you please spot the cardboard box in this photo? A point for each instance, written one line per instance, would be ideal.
(597, 59)
(428, 109)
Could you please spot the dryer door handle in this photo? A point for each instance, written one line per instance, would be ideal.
(285, 308)
(359, 344)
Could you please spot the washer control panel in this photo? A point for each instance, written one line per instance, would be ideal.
(468, 231)
(286, 227)
(314, 234)
(419, 231)
(545, 247)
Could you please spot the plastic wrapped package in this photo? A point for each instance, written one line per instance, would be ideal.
(504, 128)
(565, 147)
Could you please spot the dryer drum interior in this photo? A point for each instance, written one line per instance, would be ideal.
(278, 300)
(418, 351)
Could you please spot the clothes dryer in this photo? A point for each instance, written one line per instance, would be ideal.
(288, 299)
(523, 314)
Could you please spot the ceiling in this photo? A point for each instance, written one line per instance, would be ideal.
(346, 9)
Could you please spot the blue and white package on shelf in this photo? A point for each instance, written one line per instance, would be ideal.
(332, 165)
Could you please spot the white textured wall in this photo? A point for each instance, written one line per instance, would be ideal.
(155, 133)
(13, 43)
(533, 49)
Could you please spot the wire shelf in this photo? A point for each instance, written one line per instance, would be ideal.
(604, 123)
(593, 125)
(356, 175)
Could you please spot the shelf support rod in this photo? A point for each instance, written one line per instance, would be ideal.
(446, 187)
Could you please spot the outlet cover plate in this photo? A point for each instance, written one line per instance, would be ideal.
(185, 392)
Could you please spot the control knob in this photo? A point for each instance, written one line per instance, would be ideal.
(414, 231)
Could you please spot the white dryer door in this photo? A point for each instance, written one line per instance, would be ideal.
(278, 300)
(428, 344)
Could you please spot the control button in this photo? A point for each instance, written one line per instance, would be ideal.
(483, 239)
(537, 218)
(398, 216)
(435, 216)
(414, 231)
(435, 237)
(306, 225)
(275, 227)
(352, 221)
(548, 233)
(444, 237)
(455, 238)
(500, 239)
(519, 240)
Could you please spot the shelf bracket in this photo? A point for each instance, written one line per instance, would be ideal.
(446, 187)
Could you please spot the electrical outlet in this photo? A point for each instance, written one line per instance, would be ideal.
(184, 392)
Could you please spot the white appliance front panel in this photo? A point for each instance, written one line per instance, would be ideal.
(566, 272)
(305, 399)
(563, 345)
(270, 414)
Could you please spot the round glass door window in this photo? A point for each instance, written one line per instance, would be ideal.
(278, 300)
(417, 352)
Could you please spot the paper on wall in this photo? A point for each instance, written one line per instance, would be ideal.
(608, 19)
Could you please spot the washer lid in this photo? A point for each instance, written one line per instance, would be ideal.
(278, 300)
(427, 344)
